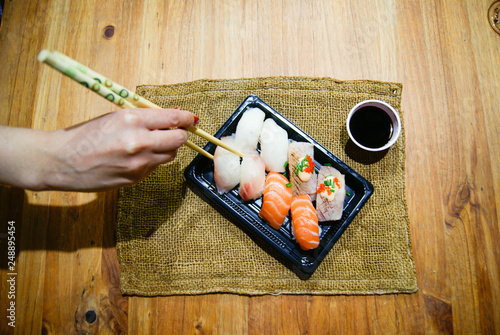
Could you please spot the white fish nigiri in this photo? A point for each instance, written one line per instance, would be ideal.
(297, 153)
(253, 177)
(226, 167)
(274, 146)
(248, 130)
(331, 194)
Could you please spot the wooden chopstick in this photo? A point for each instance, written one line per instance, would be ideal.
(77, 72)
(118, 89)
(92, 84)
(118, 94)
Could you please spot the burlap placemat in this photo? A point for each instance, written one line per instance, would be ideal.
(170, 241)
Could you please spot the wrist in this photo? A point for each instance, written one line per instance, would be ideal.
(22, 157)
(52, 166)
(37, 160)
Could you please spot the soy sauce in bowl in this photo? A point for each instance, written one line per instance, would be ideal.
(371, 127)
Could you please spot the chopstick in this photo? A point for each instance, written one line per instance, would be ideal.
(118, 94)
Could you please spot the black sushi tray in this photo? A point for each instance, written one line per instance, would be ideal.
(279, 243)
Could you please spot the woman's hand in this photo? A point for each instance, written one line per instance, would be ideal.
(114, 150)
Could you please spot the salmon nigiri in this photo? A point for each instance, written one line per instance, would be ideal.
(277, 199)
(305, 222)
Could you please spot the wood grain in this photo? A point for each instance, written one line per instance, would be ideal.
(444, 53)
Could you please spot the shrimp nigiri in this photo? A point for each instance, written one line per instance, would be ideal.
(253, 177)
(277, 199)
(305, 222)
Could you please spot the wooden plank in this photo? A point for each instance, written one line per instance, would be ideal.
(467, 199)
(9, 255)
(21, 31)
(113, 305)
(143, 315)
(426, 78)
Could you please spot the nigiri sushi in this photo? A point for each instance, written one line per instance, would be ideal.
(253, 177)
(226, 167)
(277, 199)
(331, 194)
(273, 146)
(248, 130)
(305, 222)
(301, 168)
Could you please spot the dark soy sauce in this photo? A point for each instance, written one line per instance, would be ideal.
(371, 127)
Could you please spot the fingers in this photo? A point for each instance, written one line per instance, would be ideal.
(141, 167)
(163, 132)
(165, 141)
(160, 118)
(165, 157)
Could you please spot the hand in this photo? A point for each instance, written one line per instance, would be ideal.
(114, 150)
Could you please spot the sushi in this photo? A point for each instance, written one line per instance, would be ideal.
(253, 177)
(248, 130)
(277, 199)
(274, 146)
(301, 168)
(305, 222)
(330, 194)
(226, 167)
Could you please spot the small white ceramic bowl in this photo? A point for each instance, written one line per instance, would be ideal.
(391, 112)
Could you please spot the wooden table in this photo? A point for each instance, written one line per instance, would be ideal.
(444, 52)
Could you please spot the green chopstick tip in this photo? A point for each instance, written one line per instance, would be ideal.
(42, 56)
